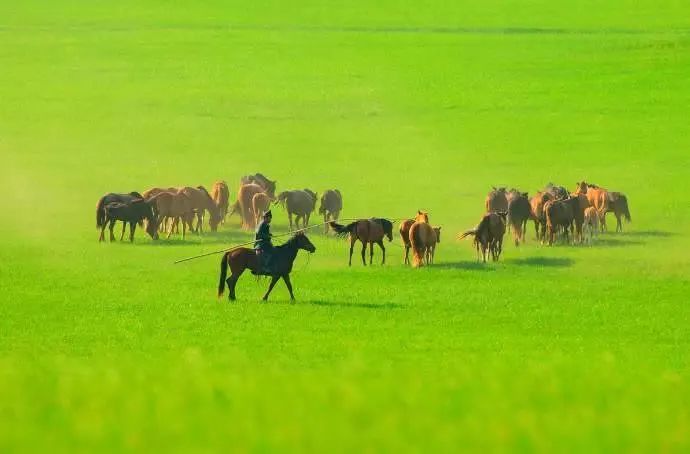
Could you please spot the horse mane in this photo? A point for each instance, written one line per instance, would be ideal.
(386, 224)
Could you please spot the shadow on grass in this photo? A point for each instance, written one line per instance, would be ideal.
(226, 238)
(554, 262)
(382, 306)
(648, 233)
(478, 266)
(607, 241)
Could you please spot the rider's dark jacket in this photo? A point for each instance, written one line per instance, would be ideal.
(263, 237)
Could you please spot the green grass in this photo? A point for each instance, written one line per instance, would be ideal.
(111, 347)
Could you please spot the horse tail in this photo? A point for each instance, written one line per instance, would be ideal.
(467, 233)
(417, 246)
(624, 205)
(100, 213)
(342, 230)
(223, 274)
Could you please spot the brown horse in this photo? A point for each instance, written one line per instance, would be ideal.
(367, 231)
(597, 197)
(566, 214)
(114, 197)
(519, 212)
(202, 202)
(301, 203)
(163, 221)
(618, 205)
(131, 213)
(537, 205)
(269, 186)
(488, 235)
(244, 258)
(176, 206)
(330, 206)
(422, 239)
(496, 200)
(260, 204)
(405, 232)
(245, 197)
(591, 223)
(220, 193)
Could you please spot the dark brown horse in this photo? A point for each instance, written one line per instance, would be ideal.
(283, 257)
(331, 205)
(131, 213)
(368, 231)
(519, 212)
(300, 203)
(618, 205)
(488, 235)
(496, 200)
(114, 197)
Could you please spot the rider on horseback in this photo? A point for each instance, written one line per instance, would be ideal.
(263, 245)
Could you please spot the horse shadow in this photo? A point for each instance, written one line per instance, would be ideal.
(375, 306)
(649, 233)
(225, 237)
(551, 262)
(614, 242)
(464, 265)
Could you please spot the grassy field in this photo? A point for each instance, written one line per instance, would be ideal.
(107, 347)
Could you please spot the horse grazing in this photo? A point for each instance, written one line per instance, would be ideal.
(591, 223)
(245, 197)
(618, 204)
(269, 187)
(564, 214)
(368, 231)
(330, 206)
(519, 212)
(244, 258)
(131, 213)
(260, 204)
(163, 220)
(301, 203)
(176, 206)
(220, 193)
(423, 240)
(488, 235)
(496, 200)
(113, 197)
(202, 202)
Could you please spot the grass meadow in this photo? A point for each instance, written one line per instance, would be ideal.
(402, 106)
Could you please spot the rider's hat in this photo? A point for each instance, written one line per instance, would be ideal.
(268, 214)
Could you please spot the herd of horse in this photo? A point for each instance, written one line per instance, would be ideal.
(572, 217)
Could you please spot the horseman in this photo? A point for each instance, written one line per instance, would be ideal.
(263, 245)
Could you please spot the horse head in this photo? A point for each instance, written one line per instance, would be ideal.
(151, 220)
(422, 216)
(437, 231)
(387, 228)
(581, 187)
(303, 242)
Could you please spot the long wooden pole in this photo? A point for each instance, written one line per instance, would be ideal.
(245, 244)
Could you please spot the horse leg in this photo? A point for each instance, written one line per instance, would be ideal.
(371, 252)
(132, 229)
(101, 237)
(407, 255)
(352, 246)
(364, 251)
(619, 222)
(290, 218)
(383, 251)
(111, 226)
(232, 283)
(124, 226)
(325, 222)
(288, 284)
(274, 279)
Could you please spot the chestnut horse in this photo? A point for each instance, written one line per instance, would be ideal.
(368, 231)
(244, 258)
(220, 193)
(261, 202)
(597, 197)
(176, 206)
(488, 235)
(405, 232)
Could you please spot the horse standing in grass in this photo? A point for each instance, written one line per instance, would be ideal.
(268, 186)
(300, 203)
(245, 197)
(330, 206)
(114, 197)
(422, 240)
(367, 231)
(220, 193)
(537, 206)
(597, 197)
(131, 213)
(163, 221)
(260, 204)
(202, 202)
(590, 226)
(405, 232)
(519, 212)
(283, 257)
(488, 235)
(496, 200)
(176, 206)
(618, 205)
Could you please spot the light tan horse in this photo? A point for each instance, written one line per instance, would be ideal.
(202, 202)
(591, 225)
(220, 193)
(176, 206)
(404, 230)
(597, 197)
(422, 239)
(261, 202)
(245, 197)
(163, 221)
